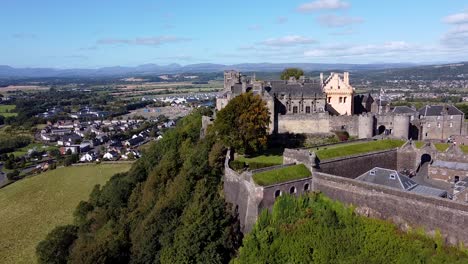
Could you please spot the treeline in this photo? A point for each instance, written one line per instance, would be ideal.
(167, 209)
(315, 229)
(11, 143)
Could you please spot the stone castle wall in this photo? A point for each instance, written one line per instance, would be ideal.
(304, 124)
(403, 208)
(359, 163)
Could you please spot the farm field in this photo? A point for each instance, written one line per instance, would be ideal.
(5, 110)
(32, 207)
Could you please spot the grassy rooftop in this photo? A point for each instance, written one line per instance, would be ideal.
(282, 175)
(330, 152)
(270, 156)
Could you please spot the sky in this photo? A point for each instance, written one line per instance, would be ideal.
(100, 33)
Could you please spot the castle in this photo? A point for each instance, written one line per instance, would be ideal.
(308, 106)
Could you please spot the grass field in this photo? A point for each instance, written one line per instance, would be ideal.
(270, 156)
(32, 207)
(39, 147)
(5, 110)
(282, 175)
(330, 152)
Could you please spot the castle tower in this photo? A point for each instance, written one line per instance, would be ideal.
(340, 94)
(230, 78)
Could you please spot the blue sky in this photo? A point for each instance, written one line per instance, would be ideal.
(97, 33)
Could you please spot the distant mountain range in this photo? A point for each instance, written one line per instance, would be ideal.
(147, 69)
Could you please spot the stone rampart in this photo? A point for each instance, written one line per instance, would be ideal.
(355, 165)
(403, 208)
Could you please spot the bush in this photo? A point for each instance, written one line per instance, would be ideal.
(55, 248)
(342, 135)
(259, 165)
(237, 165)
(14, 175)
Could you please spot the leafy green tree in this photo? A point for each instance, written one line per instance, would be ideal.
(291, 72)
(243, 123)
(55, 248)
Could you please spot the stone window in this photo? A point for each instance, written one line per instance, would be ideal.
(306, 187)
(392, 176)
(438, 125)
(428, 125)
(341, 100)
(292, 190)
(277, 193)
(294, 109)
(308, 109)
(344, 100)
(451, 117)
(456, 179)
(329, 99)
(451, 124)
(372, 172)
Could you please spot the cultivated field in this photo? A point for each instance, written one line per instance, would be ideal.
(32, 207)
(6, 110)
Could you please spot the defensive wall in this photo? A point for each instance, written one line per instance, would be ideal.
(361, 126)
(403, 208)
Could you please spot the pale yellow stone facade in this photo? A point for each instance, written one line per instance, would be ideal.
(339, 93)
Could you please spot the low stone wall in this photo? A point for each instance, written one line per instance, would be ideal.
(355, 165)
(403, 208)
(299, 156)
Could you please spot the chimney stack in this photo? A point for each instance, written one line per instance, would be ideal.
(346, 78)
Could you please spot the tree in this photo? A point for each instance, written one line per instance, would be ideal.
(243, 123)
(291, 72)
(55, 248)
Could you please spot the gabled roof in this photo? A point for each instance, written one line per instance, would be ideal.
(296, 89)
(389, 178)
(438, 110)
(393, 179)
(403, 110)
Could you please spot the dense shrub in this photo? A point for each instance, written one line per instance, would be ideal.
(237, 165)
(55, 248)
(315, 229)
(342, 135)
(166, 209)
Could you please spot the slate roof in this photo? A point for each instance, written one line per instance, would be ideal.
(450, 165)
(438, 110)
(383, 177)
(307, 89)
(403, 110)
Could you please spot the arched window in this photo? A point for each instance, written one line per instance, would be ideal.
(306, 187)
(292, 190)
(277, 193)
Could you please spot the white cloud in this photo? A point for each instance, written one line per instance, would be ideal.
(292, 40)
(385, 49)
(338, 21)
(322, 5)
(459, 18)
(146, 41)
(457, 37)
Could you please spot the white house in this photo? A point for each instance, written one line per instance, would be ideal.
(86, 158)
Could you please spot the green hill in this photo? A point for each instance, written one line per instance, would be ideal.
(32, 207)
